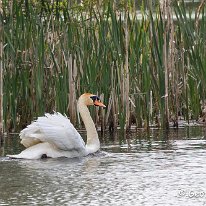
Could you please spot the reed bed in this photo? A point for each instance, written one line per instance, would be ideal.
(149, 66)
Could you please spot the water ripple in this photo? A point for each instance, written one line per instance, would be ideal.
(150, 173)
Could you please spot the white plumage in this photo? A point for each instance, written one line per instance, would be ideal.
(55, 129)
(54, 135)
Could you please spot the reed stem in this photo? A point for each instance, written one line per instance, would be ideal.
(1, 69)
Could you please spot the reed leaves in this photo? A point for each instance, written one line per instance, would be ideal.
(148, 69)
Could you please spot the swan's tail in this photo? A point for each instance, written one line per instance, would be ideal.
(25, 155)
(18, 156)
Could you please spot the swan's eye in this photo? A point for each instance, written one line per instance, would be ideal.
(95, 98)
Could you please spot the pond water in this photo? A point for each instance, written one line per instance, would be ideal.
(156, 169)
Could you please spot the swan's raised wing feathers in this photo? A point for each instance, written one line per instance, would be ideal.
(55, 129)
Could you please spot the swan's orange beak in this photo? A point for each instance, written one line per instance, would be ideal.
(98, 103)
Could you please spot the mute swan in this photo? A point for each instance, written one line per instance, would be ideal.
(53, 135)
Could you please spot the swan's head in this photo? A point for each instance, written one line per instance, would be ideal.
(91, 99)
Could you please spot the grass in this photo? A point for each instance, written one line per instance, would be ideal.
(149, 70)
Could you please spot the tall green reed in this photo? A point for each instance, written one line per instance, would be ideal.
(148, 70)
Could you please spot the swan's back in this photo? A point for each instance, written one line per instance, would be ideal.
(55, 129)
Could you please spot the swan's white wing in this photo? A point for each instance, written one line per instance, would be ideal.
(55, 129)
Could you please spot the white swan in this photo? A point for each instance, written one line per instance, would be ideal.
(53, 135)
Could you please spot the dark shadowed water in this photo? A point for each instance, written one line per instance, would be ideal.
(156, 169)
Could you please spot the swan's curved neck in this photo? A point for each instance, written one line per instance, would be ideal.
(93, 143)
